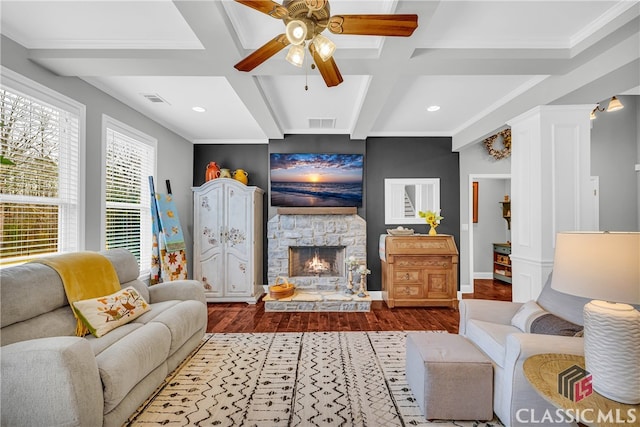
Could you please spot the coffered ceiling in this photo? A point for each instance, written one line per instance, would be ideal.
(482, 62)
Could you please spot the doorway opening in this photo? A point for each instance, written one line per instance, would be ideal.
(491, 227)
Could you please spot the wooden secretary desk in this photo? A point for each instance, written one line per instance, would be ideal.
(419, 270)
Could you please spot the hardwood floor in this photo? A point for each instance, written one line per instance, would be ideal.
(241, 317)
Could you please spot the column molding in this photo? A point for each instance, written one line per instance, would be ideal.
(550, 188)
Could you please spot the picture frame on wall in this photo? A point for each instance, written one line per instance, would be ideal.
(475, 202)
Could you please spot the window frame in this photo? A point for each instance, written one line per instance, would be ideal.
(131, 132)
(22, 85)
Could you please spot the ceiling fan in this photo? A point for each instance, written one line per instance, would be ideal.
(305, 20)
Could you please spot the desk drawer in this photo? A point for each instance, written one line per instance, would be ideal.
(401, 277)
(402, 291)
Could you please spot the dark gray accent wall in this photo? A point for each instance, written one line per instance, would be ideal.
(409, 158)
(384, 158)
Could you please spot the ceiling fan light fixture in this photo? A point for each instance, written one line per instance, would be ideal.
(614, 105)
(296, 32)
(295, 55)
(324, 46)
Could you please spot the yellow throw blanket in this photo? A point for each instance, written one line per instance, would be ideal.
(85, 275)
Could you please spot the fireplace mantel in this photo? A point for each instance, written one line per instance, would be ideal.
(318, 211)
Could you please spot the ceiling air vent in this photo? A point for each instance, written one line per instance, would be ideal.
(155, 98)
(322, 123)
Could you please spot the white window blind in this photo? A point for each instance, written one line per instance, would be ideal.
(39, 179)
(129, 161)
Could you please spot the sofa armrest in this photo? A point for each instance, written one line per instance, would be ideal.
(182, 290)
(522, 396)
(486, 310)
(53, 379)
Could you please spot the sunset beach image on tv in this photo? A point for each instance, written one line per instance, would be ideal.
(316, 180)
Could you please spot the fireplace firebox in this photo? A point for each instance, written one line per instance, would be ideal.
(318, 261)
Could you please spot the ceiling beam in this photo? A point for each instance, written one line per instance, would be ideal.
(621, 59)
(214, 31)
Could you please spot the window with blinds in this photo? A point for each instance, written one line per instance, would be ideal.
(129, 161)
(39, 177)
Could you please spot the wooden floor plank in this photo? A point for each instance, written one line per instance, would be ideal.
(242, 317)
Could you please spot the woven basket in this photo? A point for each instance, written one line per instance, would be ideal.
(281, 290)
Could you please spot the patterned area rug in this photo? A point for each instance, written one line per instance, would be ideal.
(291, 379)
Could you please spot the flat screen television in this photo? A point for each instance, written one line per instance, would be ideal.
(316, 179)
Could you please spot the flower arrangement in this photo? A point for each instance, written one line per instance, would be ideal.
(432, 218)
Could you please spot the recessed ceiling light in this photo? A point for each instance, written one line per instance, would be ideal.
(198, 109)
(433, 108)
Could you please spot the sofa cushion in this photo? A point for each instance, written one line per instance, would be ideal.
(105, 313)
(183, 320)
(98, 345)
(491, 338)
(526, 314)
(23, 295)
(157, 308)
(549, 324)
(126, 362)
(55, 323)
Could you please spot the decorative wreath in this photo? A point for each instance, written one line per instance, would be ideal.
(499, 154)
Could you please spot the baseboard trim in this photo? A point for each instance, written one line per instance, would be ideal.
(483, 275)
(465, 289)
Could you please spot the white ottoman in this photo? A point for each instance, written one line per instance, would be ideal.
(450, 378)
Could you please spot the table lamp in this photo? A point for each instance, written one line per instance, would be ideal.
(605, 266)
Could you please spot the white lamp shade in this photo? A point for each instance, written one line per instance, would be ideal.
(296, 32)
(603, 266)
(324, 46)
(615, 105)
(296, 55)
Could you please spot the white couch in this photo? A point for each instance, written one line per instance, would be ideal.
(52, 377)
(487, 324)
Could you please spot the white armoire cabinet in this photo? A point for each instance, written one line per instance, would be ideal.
(227, 228)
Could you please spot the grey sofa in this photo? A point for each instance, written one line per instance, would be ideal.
(488, 325)
(51, 377)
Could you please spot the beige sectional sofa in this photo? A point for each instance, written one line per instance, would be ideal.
(51, 377)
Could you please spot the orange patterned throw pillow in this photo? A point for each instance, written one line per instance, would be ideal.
(104, 314)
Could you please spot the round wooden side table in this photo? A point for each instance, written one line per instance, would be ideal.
(543, 372)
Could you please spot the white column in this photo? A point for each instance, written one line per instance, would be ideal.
(550, 189)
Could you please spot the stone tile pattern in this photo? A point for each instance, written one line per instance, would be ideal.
(283, 231)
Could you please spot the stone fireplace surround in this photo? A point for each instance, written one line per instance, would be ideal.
(285, 230)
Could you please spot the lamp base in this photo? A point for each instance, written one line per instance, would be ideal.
(612, 350)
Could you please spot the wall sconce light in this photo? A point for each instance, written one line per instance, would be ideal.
(592, 116)
(614, 105)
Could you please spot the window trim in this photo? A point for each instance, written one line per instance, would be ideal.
(25, 86)
(118, 126)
